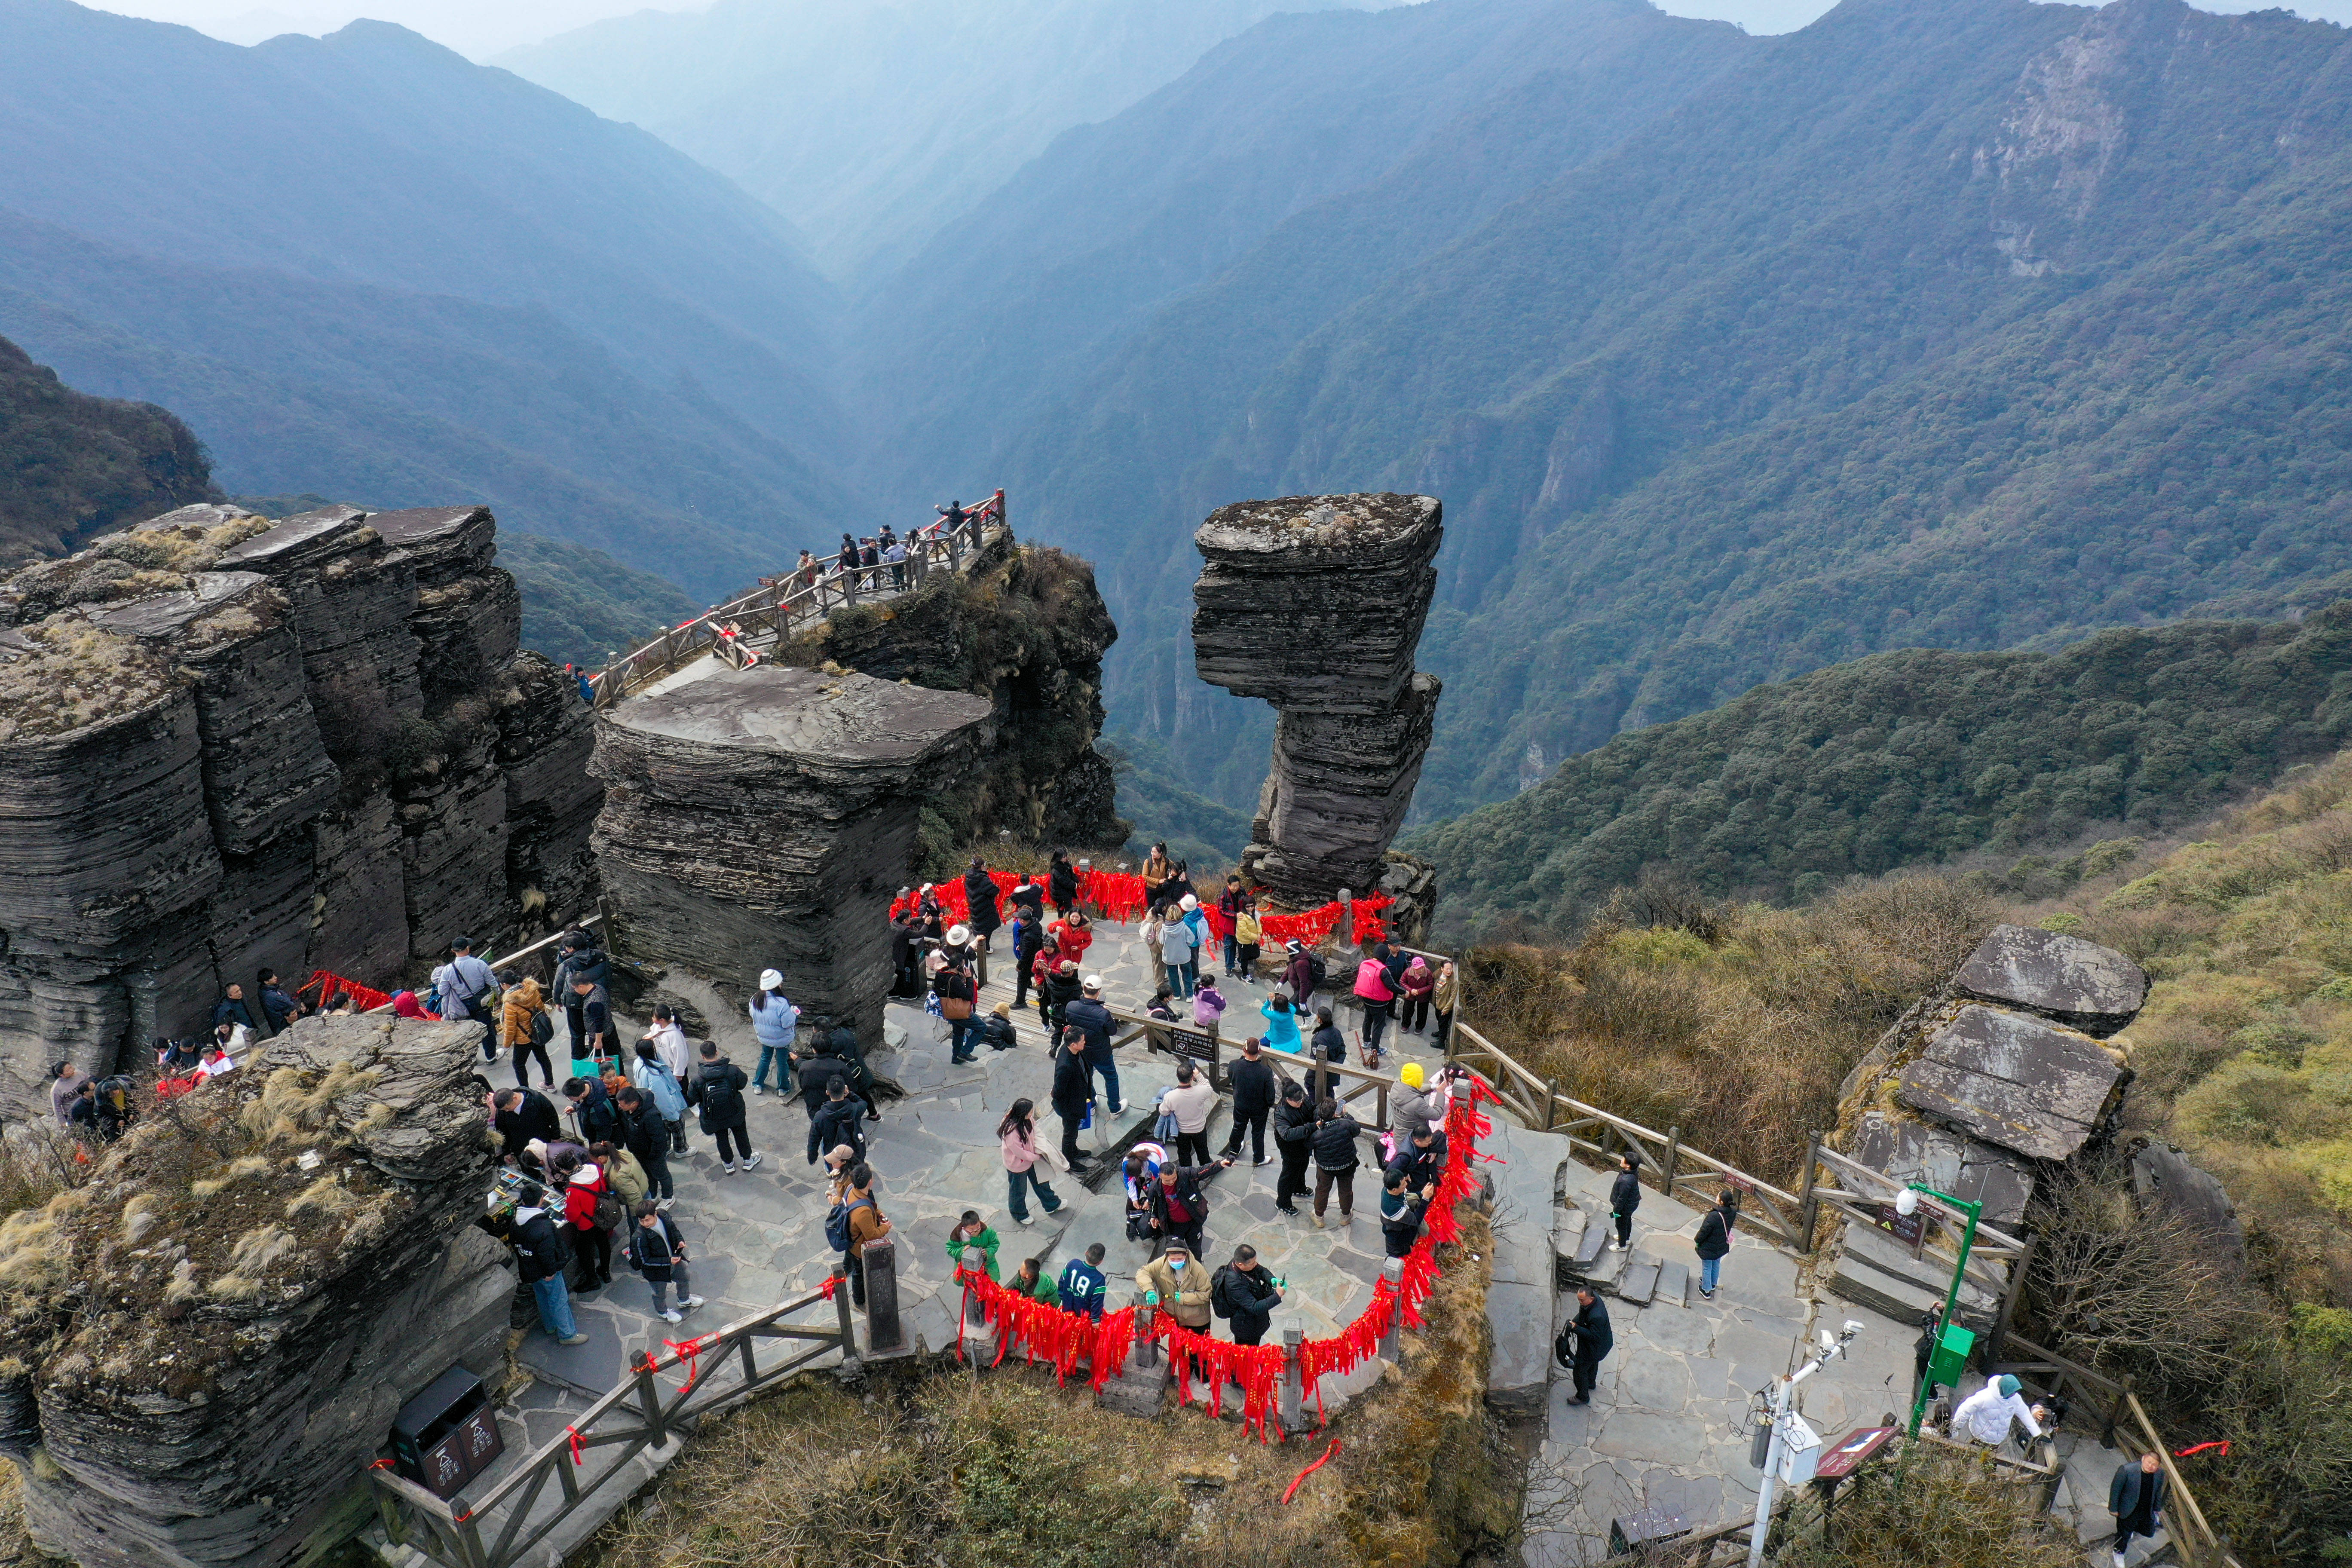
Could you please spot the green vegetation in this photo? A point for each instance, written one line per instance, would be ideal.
(1195, 828)
(1909, 758)
(580, 606)
(73, 467)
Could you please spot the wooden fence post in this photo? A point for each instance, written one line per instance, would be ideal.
(1551, 1101)
(1674, 1153)
(2008, 1298)
(2116, 1412)
(1808, 1205)
(842, 1321)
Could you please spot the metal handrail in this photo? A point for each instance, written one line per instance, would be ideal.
(731, 628)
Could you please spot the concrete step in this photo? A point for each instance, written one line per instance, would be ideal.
(1673, 1284)
(1875, 1270)
(1639, 1282)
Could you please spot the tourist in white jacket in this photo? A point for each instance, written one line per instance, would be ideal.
(1986, 1414)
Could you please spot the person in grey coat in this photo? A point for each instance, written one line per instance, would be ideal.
(2136, 1497)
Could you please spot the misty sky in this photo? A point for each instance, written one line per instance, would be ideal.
(481, 28)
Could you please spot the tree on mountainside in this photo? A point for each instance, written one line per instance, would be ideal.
(73, 466)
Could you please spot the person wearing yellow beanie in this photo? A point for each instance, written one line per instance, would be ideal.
(1411, 1108)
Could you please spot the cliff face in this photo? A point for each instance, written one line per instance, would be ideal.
(227, 743)
(211, 1337)
(1316, 604)
(1025, 628)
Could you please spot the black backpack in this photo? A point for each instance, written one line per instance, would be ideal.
(1563, 1349)
(1217, 1302)
(1319, 975)
(719, 1102)
(542, 1028)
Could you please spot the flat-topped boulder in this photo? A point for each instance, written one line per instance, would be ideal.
(757, 818)
(2020, 1082)
(1315, 603)
(1908, 1152)
(2091, 988)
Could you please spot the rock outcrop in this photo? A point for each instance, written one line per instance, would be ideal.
(212, 1336)
(1023, 626)
(1977, 1090)
(764, 817)
(1316, 604)
(226, 743)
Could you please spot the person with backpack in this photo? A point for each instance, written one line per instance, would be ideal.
(527, 1029)
(652, 1076)
(718, 1090)
(972, 1245)
(594, 1117)
(1294, 1139)
(1082, 1285)
(855, 1219)
(1177, 958)
(959, 998)
(1374, 992)
(1303, 974)
(996, 1030)
(592, 1044)
(593, 1210)
(1713, 1241)
(1253, 1081)
(1016, 1136)
(1245, 1294)
(469, 990)
(1625, 1197)
(839, 1120)
(646, 1138)
(657, 1253)
(1584, 1343)
(1334, 1158)
(1064, 990)
(579, 959)
(774, 1021)
(1087, 1015)
(539, 1262)
(1032, 1280)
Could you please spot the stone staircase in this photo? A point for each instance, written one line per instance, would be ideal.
(1875, 1270)
(1581, 1255)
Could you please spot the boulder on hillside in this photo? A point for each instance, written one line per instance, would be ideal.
(2080, 983)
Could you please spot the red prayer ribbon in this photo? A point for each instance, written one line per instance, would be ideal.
(573, 1434)
(2223, 1443)
(691, 1353)
(1300, 1478)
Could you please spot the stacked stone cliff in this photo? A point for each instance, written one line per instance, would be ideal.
(1316, 604)
(1027, 628)
(763, 818)
(227, 743)
(210, 1338)
(2004, 1073)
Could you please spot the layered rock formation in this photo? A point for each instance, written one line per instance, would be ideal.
(1025, 628)
(763, 818)
(212, 1335)
(1316, 604)
(226, 743)
(2003, 1072)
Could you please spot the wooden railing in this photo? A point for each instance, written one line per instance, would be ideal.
(738, 630)
(497, 1529)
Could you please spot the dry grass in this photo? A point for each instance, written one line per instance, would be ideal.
(1735, 1023)
(79, 676)
(1939, 1508)
(1008, 1468)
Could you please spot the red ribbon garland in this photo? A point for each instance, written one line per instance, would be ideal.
(367, 998)
(691, 1353)
(1119, 896)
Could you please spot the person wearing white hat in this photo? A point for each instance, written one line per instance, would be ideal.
(774, 1021)
(959, 999)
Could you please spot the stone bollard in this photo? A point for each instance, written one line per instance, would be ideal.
(885, 1333)
(1146, 1345)
(1393, 1272)
(1290, 1401)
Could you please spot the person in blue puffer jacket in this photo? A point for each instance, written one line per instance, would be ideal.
(774, 1021)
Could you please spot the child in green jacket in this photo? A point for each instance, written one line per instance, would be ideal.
(972, 1233)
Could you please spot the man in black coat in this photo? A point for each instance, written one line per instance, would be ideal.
(1336, 1158)
(1625, 1197)
(1422, 1158)
(1072, 1087)
(1249, 1295)
(717, 1087)
(1179, 1207)
(839, 1120)
(644, 1134)
(1294, 1136)
(979, 892)
(1585, 1344)
(1062, 883)
(2136, 1497)
(1252, 1077)
(1027, 895)
(1028, 936)
(1086, 1013)
(1328, 1044)
(522, 1115)
(906, 978)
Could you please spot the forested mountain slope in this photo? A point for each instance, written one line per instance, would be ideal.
(871, 122)
(1969, 324)
(73, 466)
(1906, 759)
(361, 266)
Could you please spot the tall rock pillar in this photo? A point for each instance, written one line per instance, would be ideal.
(1316, 604)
